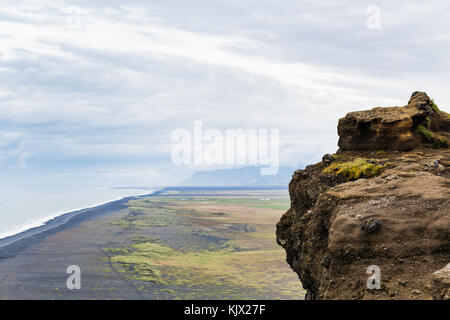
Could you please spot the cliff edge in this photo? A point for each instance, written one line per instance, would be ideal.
(382, 200)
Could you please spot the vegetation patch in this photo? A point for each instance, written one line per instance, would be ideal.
(205, 250)
(162, 265)
(142, 213)
(423, 131)
(353, 170)
(434, 106)
(429, 137)
(115, 251)
(427, 123)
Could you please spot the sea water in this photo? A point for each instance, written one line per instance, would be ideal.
(23, 208)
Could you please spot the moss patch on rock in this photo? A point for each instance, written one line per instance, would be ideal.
(353, 170)
(434, 141)
(434, 106)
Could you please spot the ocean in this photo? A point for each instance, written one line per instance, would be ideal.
(23, 208)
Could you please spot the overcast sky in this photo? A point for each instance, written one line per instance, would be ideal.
(90, 91)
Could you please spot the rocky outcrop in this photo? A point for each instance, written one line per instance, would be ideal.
(395, 128)
(374, 203)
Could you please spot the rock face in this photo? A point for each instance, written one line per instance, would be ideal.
(383, 199)
(393, 128)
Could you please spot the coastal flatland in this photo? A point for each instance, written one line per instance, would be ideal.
(178, 244)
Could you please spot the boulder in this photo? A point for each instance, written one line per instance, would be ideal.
(440, 283)
(393, 128)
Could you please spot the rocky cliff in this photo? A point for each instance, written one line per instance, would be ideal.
(383, 199)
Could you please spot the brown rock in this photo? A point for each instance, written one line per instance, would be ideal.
(398, 220)
(440, 284)
(393, 128)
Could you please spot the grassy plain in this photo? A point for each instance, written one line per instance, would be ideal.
(205, 247)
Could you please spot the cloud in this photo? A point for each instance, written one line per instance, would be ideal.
(107, 82)
(11, 149)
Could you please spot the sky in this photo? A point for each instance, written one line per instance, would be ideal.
(91, 91)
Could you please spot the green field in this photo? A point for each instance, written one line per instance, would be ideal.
(204, 247)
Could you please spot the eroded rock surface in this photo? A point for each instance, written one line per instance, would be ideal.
(394, 128)
(397, 217)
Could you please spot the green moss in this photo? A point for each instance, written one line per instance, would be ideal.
(152, 250)
(144, 216)
(435, 142)
(442, 143)
(116, 251)
(353, 170)
(423, 131)
(225, 267)
(434, 106)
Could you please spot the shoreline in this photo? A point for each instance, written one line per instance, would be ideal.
(39, 222)
(13, 243)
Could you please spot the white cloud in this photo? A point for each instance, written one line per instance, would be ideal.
(118, 84)
(11, 149)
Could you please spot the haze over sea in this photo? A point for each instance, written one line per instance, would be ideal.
(26, 207)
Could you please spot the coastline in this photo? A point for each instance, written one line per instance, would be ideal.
(39, 222)
(231, 228)
(11, 244)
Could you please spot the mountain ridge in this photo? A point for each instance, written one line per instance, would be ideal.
(246, 176)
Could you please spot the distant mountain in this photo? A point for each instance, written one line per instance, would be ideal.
(247, 176)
